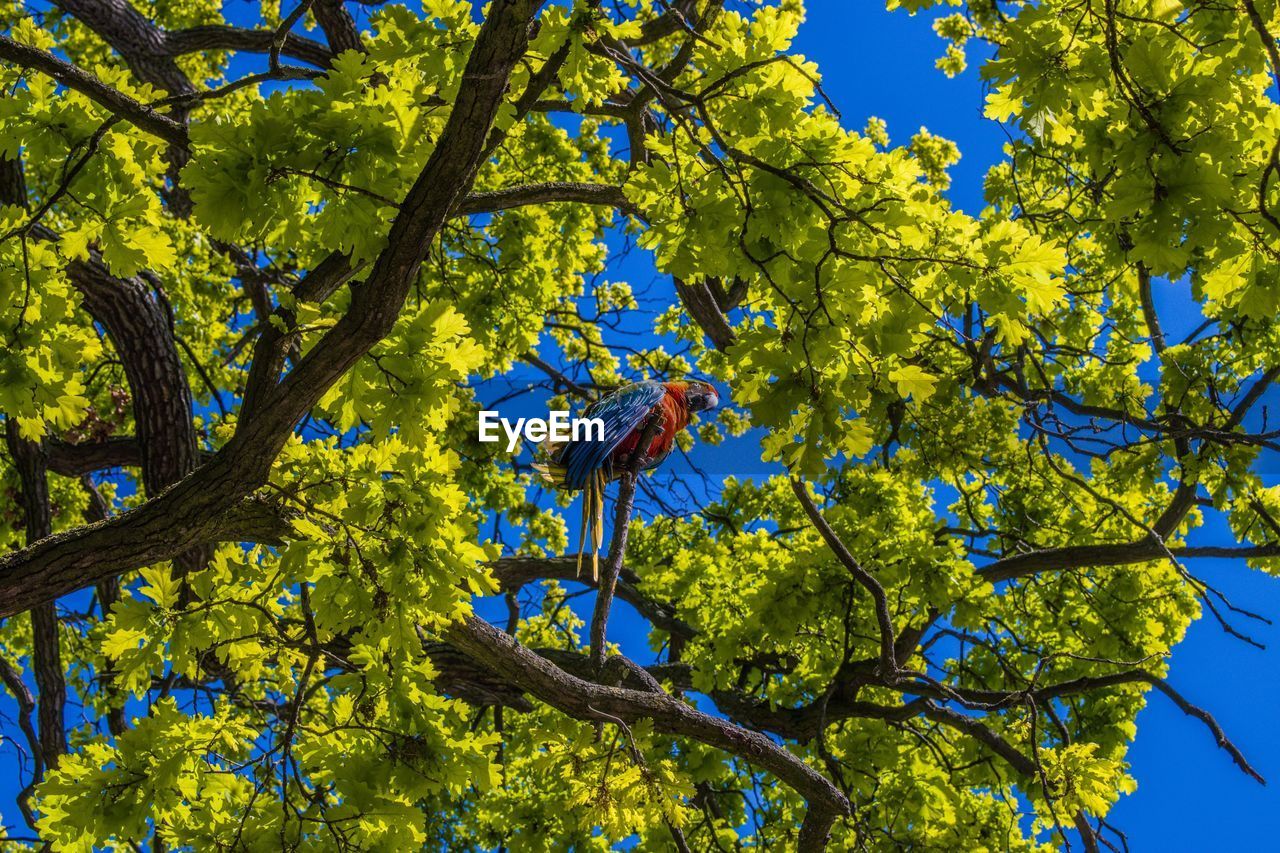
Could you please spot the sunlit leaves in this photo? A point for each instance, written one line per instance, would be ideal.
(407, 383)
(910, 361)
(170, 763)
(40, 382)
(1084, 779)
(911, 381)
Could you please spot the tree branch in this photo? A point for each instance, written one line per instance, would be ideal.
(1205, 717)
(26, 707)
(588, 701)
(547, 193)
(135, 112)
(618, 542)
(134, 37)
(220, 37)
(338, 25)
(1109, 554)
(46, 655)
(888, 658)
(193, 509)
(702, 306)
(73, 460)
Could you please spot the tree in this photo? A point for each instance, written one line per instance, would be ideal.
(250, 317)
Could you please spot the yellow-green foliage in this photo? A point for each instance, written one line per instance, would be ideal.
(900, 356)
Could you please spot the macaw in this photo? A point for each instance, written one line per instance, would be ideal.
(588, 465)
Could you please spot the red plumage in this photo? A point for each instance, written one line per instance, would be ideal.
(589, 464)
(675, 417)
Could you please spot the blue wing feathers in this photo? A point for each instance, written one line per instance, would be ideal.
(622, 411)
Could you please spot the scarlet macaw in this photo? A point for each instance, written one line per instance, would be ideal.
(589, 465)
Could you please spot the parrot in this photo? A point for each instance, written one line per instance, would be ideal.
(588, 465)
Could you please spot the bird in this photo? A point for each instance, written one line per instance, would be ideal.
(589, 464)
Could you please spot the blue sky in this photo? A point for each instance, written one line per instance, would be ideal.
(1190, 796)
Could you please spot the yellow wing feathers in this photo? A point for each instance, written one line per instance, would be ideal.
(595, 496)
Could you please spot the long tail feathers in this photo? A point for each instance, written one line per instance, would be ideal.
(582, 534)
(592, 511)
(592, 522)
(597, 518)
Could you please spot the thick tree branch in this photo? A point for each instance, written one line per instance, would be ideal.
(32, 465)
(73, 460)
(1087, 834)
(138, 40)
(589, 701)
(46, 654)
(139, 326)
(219, 37)
(136, 113)
(192, 509)
(548, 193)
(1109, 554)
(192, 514)
(705, 310)
(141, 43)
(338, 25)
(515, 572)
(376, 304)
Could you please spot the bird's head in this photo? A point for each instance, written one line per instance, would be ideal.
(700, 396)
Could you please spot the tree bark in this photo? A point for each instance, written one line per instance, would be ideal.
(46, 655)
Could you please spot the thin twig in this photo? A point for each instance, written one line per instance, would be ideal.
(888, 657)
